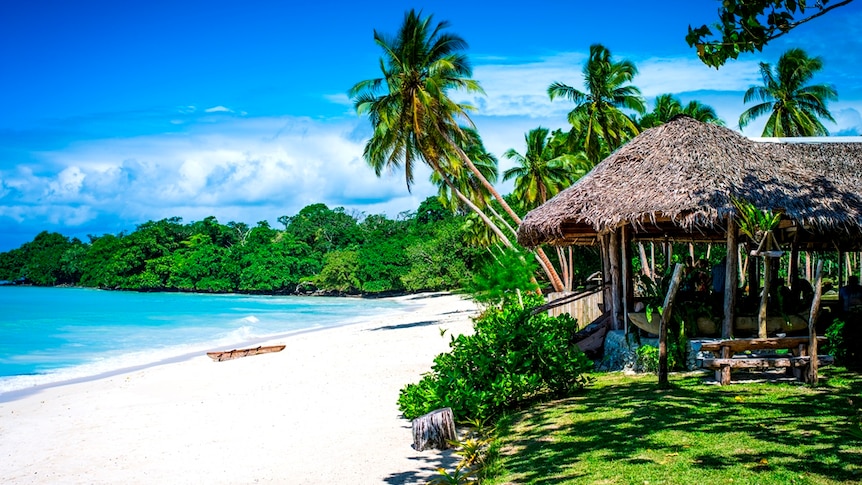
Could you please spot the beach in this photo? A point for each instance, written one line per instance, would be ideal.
(323, 411)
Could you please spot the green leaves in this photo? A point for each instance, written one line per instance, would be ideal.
(753, 222)
(794, 106)
(512, 358)
(748, 25)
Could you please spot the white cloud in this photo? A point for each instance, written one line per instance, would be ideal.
(218, 109)
(520, 89)
(848, 119)
(239, 169)
(339, 98)
(677, 75)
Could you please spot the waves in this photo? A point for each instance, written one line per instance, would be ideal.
(56, 335)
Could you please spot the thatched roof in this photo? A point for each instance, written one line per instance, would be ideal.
(677, 180)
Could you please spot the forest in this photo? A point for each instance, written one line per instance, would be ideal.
(319, 250)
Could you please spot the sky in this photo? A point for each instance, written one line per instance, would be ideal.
(116, 113)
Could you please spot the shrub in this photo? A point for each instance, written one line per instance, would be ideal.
(512, 358)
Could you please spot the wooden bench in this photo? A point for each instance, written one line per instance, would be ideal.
(747, 353)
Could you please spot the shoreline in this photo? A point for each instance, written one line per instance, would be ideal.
(243, 329)
(322, 411)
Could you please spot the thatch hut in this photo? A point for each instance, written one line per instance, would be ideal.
(676, 183)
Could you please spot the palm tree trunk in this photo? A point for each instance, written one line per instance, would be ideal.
(502, 219)
(541, 258)
(552, 274)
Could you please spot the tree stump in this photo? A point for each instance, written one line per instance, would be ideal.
(434, 430)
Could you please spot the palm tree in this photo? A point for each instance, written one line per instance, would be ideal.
(794, 107)
(412, 115)
(598, 110)
(667, 106)
(542, 172)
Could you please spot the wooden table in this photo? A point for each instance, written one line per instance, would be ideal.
(748, 353)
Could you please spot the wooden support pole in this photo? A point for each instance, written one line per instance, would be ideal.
(628, 293)
(730, 278)
(645, 267)
(665, 320)
(811, 376)
(764, 297)
(793, 270)
(604, 240)
(616, 283)
(841, 269)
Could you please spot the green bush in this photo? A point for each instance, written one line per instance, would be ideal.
(513, 358)
(647, 358)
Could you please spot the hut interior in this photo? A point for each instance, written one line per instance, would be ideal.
(678, 183)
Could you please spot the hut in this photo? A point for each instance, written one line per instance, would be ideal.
(677, 183)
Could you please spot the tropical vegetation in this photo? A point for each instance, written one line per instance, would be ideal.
(414, 118)
(666, 106)
(748, 25)
(602, 110)
(794, 106)
(318, 249)
(514, 357)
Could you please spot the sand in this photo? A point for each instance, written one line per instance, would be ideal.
(323, 411)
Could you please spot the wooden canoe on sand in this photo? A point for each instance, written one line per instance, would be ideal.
(237, 353)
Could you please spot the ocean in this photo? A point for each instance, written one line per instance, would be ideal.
(53, 335)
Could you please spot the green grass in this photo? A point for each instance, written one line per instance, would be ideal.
(624, 430)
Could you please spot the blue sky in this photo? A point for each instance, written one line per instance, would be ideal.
(116, 113)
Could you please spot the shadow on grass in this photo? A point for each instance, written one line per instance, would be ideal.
(625, 429)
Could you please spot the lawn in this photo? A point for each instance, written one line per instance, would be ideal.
(624, 430)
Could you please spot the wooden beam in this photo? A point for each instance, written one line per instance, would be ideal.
(743, 344)
(667, 311)
(765, 362)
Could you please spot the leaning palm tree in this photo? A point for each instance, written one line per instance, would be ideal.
(794, 106)
(412, 115)
(667, 106)
(598, 110)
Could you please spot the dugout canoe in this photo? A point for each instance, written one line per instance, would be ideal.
(221, 355)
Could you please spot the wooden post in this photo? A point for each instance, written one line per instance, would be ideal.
(645, 267)
(604, 241)
(652, 260)
(730, 279)
(840, 269)
(665, 319)
(753, 275)
(764, 298)
(614, 253)
(793, 270)
(434, 430)
(626, 276)
(811, 375)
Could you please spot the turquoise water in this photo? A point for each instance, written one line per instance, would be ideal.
(50, 335)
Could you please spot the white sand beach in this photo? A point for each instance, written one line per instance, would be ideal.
(323, 411)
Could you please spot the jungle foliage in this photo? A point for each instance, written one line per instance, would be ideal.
(317, 249)
(513, 358)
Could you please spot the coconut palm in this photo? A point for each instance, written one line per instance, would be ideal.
(667, 106)
(794, 106)
(541, 172)
(598, 110)
(412, 115)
